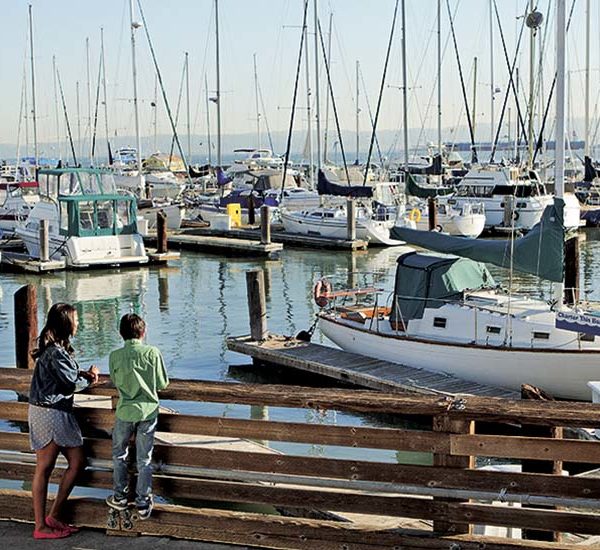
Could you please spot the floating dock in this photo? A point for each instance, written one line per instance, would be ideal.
(278, 235)
(358, 369)
(192, 240)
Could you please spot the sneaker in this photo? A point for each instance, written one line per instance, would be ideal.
(116, 503)
(144, 510)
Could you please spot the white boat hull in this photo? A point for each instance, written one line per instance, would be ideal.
(471, 225)
(563, 374)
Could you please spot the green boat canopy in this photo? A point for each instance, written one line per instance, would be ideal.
(540, 252)
(428, 281)
(416, 190)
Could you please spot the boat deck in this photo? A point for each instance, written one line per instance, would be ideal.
(358, 369)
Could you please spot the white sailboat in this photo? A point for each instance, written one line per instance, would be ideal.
(447, 315)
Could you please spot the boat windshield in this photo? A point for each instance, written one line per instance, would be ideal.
(77, 182)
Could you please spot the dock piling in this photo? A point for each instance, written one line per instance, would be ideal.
(432, 213)
(251, 210)
(351, 217)
(44, 241)
(26, 325)
(161, 232)
(265, 225)
(257, 308)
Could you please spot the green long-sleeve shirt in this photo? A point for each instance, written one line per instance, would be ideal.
(138, 372)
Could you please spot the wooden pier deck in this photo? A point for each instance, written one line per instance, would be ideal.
(278, 235)
(190, 239)
(358, 369)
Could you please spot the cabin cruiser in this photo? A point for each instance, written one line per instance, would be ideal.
(511, 201)
(17, 199)
(467, 220)
(89, 222)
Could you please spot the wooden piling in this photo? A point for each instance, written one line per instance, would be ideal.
(432, 213)
(161, 232)
(257, 308)
(44, 241)
(540, 466)
(265, 224)
(509, 211)
(26, 325)
(251, 211)
(351, 217)
(572, 270)
(443, 423)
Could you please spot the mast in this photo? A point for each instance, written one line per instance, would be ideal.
(559, 163)
(58, 145)
(439, 76)
(104, 94)
(474, 96)
(357, 113)
(187, 96)
(325, 137)
(218, 83)
(317, 93)
(257, 100)
(89, 96)
(78, 119)
(155, 114)
(492, 85)
(135, 25)
(587, 78)
(208, 120)
(308, 110)
(530, 136)
(33, 109)
(405, 86)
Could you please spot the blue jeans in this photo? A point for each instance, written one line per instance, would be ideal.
(144, 443)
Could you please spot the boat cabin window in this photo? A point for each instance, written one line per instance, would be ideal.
(328, 214)
(124, 218)
(104, 211)
(493, 330)
(64, 218)
(586, 337)
(316, 215)
(541, 335)
(439, 322)
(86, 215)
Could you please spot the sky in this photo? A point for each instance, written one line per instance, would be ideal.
(270, 29)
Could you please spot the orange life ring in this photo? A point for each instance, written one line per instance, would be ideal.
(321, 292)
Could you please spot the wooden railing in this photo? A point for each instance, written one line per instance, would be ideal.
(451, 496)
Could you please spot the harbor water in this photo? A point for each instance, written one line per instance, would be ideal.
(192, 306)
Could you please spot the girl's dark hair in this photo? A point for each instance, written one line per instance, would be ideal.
(132, 326)
(59, 327)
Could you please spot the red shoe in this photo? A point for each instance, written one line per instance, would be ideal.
(53, 535)
(58, 525)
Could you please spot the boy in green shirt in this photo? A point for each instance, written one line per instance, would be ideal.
(138, 372)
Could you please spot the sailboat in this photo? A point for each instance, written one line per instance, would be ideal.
(446, 313)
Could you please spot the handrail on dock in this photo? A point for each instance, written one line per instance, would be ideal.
(196, 462)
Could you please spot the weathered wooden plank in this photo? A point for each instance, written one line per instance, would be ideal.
(351, 436)
(535, 448)
(355, 470)
(489, 409)
(263, 530)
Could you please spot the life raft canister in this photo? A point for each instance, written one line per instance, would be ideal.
(321, 292)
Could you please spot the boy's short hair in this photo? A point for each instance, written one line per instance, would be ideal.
(132, 326)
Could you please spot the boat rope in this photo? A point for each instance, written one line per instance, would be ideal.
(333, 104)
(62, 97)
(164, 93)
(381, 87)
(462, 84)
(294, 98)
(540, 143)
(362, 79)
(511, 69)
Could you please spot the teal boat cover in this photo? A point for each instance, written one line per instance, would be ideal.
(540, 252)
(428, 281)
(416, 190)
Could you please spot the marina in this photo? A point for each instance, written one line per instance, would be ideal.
(368, 268)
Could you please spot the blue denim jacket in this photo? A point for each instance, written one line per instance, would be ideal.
(55, 378)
